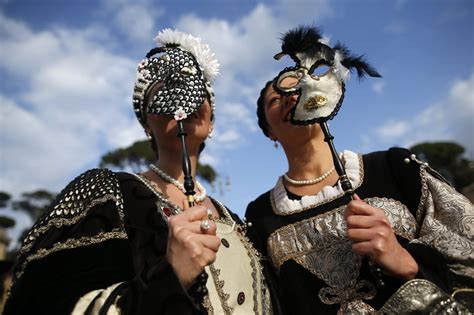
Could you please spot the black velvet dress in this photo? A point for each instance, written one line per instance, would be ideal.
(305, 237)
(101, 247)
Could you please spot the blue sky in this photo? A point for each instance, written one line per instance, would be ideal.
(67, 70)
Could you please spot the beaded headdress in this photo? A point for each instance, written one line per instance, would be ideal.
(318, 76)
(186, 68)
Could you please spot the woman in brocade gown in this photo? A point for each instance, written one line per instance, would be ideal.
(129, 243)
(337, 255)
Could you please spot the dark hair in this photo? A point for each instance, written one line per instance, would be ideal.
(262, 119)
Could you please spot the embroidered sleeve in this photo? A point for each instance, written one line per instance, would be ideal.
(77, 245)
(446, 220)
(55, 230)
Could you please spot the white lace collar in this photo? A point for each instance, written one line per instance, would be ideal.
(282, 205)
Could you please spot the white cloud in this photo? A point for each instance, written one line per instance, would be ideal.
(207, 158)
(451, 119)
(34, 154)
(393, 129)
(228, 137)
(136, 20)
(77, 96)
(241, 47)
(237, 114)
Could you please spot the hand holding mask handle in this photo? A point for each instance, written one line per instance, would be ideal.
(199, 289)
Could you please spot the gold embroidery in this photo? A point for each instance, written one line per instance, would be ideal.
(60, 222)
(72, 243)
(448, 227)
(253, 256)
(328, 229)
(161, 199)
(80, 195)
(424, 193)
(206, 302)
(350, 299)
(320, 245)
(419, 296)
(220, 289)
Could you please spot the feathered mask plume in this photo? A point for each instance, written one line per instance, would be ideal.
(308, 41)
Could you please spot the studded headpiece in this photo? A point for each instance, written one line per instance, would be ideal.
(185, 67)
(318, 76)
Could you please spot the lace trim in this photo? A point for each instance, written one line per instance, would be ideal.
(282, 205)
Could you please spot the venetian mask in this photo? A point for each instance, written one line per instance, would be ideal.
(318, 76)
(184, 67)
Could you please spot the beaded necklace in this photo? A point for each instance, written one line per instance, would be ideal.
(198, 197)
(308, 181)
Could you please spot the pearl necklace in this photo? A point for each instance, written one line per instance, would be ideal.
(171, 180)
(308, 181)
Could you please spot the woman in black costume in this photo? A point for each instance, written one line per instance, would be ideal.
(404, 228)
(129, 243)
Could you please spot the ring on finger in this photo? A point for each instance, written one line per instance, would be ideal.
(205, 225)
(209, 213)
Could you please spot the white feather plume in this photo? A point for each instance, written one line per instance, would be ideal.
(342, 72)
(203, 54)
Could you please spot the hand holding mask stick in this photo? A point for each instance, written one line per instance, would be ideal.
(184, 67)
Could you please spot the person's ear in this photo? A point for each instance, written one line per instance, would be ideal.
(271, 135)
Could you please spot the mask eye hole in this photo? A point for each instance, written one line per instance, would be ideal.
(288, 80)
(320, 70)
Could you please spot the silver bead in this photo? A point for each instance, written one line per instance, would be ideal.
(406, 160)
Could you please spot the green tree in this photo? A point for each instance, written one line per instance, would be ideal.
(5, 222)
(136, 157)
(4, 199)
(447, 158)
(139, 155)
(34, 203)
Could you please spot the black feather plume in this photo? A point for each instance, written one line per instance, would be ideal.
(358, 63)
(303, 39)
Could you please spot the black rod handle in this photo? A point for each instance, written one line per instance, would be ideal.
(188, 178)
(345, 183)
